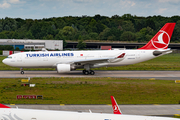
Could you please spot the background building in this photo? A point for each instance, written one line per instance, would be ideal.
(33, 44)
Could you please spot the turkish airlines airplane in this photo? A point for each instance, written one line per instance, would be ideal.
(7, 113)
(66, 61)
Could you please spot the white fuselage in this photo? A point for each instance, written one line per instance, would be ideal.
(27, 114)
(52, 58)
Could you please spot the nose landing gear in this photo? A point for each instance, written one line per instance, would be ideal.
(22, 71)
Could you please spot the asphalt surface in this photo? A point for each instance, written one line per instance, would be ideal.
(162, 75)
(157, 110)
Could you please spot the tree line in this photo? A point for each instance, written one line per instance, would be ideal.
(116, 28)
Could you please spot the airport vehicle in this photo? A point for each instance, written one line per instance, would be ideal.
(66, 61)
(7, 113)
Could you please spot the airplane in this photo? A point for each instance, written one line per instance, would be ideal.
(7, 113)
(66, 61)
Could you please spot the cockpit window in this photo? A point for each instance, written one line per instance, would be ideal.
(9, 57)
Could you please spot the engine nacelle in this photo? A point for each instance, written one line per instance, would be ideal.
(63, 68)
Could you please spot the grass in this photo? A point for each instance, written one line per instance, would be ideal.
(165, 62)
(91, 91)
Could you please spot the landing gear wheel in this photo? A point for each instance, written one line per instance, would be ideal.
(22, 72)
(83, 71)
(92, 72)
(86, 72)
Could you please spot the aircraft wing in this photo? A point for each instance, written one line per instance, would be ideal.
(93, 61)
(96, 60)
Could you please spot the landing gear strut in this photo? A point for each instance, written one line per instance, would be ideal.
(87, 72)
(22, 71)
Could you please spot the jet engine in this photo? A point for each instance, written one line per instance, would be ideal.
(63, 68)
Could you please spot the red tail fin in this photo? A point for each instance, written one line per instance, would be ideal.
(161, 39)
(3, 106)
(115, 106)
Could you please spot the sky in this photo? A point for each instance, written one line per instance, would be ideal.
(39, 9)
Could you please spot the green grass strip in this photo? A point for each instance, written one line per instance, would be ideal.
(91, 91)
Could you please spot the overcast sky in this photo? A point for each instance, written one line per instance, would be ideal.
(39, 9)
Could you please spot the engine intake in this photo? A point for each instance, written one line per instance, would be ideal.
(63, 68)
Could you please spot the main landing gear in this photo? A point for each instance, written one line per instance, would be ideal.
(87, 72)
(22, 71)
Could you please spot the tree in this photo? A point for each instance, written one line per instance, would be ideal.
(140, 37)
(92, 26)
(146, 31)
(3, 36)
(148, 37)
(93, 35)
(128, 26)
(115, 33)
(15, 35)
(29, 35)
(9, 24)
(17, 48)
(48, 37)
(8, 47)
(60, 23)
(68, 31)
(150, 23)
(100, 27)
(60, 36)
(36, 30)
(1, 27)
(81, 45)
(128, 36)
(104, 35)
(97, 27)
(139, 24)
(176, 33)
(111, 38)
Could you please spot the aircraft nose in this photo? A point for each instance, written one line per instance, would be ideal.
(4, 61)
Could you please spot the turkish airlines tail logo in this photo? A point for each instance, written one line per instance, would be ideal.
(162, 38)
(115, 106)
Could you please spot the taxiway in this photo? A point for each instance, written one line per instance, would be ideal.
(163, 75)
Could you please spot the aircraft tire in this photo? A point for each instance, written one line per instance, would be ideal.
(86, 72)
(83, 71)
(92, 72)
(22, 72)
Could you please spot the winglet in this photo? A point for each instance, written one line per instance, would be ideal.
(115, 106)
(122, 55)
(3, 106)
